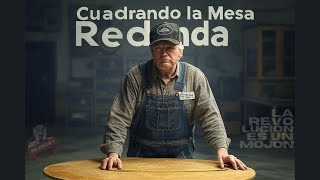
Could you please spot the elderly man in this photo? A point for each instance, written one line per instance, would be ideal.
(160, 101)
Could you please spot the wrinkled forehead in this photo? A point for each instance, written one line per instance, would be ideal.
(163, 43)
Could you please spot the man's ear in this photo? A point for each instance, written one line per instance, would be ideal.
(180, 53)
(151, 50)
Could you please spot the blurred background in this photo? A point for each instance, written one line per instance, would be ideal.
(70, 89)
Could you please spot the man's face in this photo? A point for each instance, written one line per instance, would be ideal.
(165, 55)
(39, 130)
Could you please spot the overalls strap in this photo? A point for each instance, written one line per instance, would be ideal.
(146, 74)
(180, 81)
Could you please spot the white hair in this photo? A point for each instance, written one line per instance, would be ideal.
(181, 47)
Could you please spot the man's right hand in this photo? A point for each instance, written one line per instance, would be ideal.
(112, 160)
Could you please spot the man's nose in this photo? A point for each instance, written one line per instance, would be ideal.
(163, 52)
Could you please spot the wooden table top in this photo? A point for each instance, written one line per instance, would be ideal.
(147, 168)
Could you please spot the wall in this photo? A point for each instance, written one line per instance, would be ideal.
(215, 62)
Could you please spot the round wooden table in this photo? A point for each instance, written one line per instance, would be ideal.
(147, 168)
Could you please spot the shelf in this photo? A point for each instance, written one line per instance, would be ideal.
(274, 78)
(79, 118)
(106, 96)
(108, 80)
(270, 102)
(79, 108)
(90, 95)
(80, 91)
(108, 75)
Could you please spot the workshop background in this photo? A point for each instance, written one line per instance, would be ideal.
(69, 89)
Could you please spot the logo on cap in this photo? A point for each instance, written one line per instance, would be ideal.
(164, 29)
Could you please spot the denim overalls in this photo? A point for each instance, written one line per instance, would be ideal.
(161, 126)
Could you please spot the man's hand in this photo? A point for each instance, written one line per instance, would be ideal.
(224, 157)
(112, 160)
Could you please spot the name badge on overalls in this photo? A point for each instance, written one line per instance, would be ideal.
(186, 95)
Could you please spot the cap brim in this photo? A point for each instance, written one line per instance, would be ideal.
(174, 41)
